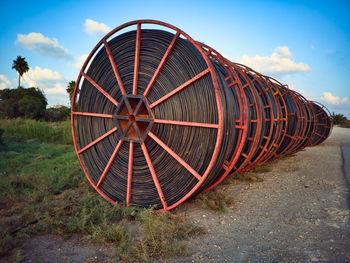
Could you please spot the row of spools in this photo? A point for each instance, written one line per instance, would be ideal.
(273, 120)
(161, 117)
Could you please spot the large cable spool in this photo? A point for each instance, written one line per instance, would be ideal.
(148, 126)
(158, 117)
(321, 122)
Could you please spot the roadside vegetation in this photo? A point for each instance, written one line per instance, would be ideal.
(341, 120)
(43, 191)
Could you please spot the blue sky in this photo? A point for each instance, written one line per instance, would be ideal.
(305, 44)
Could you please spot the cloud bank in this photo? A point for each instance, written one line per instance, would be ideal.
(43, 45)
(4, 82)
(280, 62)
(50, 81)
(79, 61)
(95, 28)
(334, 100)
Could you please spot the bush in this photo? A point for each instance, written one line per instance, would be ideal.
(28, 103)
(339, 119)
(58, 113)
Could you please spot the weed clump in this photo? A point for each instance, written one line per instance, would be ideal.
(216, 199)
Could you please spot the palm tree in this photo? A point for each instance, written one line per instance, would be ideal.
(20, 64)
(70, 89)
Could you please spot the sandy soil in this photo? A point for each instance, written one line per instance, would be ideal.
(299, 213)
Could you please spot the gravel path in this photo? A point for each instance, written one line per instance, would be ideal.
(299, 213)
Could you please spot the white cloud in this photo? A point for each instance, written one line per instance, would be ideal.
(95, 28)
(43, 45)
(331, 99)
(57, 89)
(50, 81)
(4, 82)
(280, 62)
(79, 61)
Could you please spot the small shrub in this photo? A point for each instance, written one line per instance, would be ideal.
(247, 176)
(25, 103)
(216, 199)
(338, 118)
(57, 113)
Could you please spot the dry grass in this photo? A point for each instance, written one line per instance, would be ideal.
(216, 199)
(43, 191)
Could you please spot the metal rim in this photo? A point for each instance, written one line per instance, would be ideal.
(242, 121)
(218, 126)
(326, 112)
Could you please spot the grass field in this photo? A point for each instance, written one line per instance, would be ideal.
(43, 191)
(26, 129)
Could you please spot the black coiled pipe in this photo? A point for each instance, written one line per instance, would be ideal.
(160, 118)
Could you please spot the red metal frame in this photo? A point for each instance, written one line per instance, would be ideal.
(161, 64)
(97, 140)
(232, 79)
(175, 156)
(111, 159)
(93, 114)
(154, 176)
(188, 123)
(116, 72)
(137, 58)
(266, 147)
(181, 87)
(100, 89)
(218, 126)
(250, 151)
(130, 164)
(253, 122)
(327, 114)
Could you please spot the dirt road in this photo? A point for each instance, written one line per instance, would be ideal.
(299, 213)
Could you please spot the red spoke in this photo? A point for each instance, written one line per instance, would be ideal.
(318, 114)
(320, 135)
(154, 176)
(93, 114)
(137, 56)
(186, 123)
(105, 171)
(97, 140)
(100, 89)
(114, 66)
(131, 159)
(161, 64)
(187, 83)
(175, 156)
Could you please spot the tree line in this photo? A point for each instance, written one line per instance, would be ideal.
(30, 102)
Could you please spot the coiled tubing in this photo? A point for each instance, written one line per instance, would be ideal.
(158, 117)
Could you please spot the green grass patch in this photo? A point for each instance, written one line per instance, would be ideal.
(43, 191)
(27, 129)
